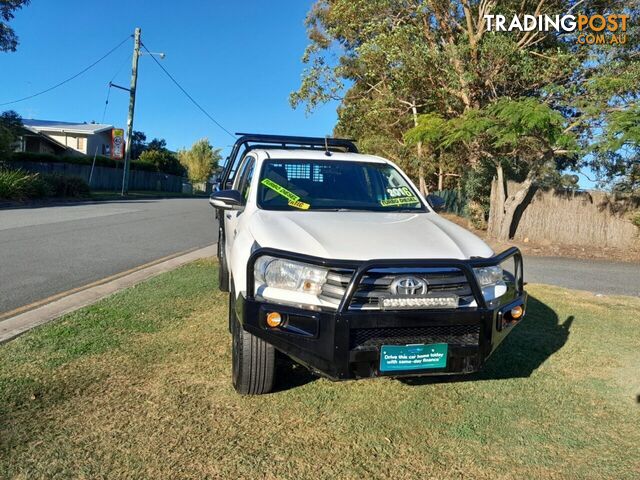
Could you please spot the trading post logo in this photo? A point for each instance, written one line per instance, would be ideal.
(591, 29)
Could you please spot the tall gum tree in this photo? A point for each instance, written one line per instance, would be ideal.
(389, 62)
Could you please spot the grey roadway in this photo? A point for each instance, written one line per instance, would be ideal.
(48, 250)
(44, 251)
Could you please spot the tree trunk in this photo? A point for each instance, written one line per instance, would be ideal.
(423, 185)
(504, 205)
(498, 196)
(421, 181)
(440, 179)
(511, 204)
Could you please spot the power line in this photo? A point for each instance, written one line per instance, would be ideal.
(106, 103)
(186, 93)
(70, 78)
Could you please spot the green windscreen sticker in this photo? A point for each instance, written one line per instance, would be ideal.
(294, 200)
(393, 202)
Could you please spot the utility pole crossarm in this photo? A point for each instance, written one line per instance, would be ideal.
(132, 105)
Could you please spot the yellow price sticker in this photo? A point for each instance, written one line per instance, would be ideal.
(299, 204)
(393, 202)
(294, 200)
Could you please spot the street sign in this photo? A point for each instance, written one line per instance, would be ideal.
(117, 143)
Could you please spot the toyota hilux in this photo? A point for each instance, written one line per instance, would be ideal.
(334, 259)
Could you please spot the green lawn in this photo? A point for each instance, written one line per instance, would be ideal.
(138, 386)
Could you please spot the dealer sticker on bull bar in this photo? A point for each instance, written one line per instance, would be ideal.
(413, 357)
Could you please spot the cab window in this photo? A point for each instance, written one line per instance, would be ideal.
(244, 177)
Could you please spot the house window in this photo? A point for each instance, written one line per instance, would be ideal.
(80, 143)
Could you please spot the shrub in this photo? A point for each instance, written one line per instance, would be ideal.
(20, 185)
(63, 186)
(16, 184)
(635, 218)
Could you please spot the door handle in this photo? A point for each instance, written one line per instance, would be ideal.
(228, 215)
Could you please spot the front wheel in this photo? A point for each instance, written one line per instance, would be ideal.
(253, 361)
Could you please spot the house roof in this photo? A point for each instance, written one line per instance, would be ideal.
(69, 127)
(32, 131)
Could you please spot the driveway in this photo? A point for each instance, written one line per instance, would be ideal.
(48, 250)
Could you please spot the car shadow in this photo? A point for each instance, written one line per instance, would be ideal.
(540, 335)
(290, 374)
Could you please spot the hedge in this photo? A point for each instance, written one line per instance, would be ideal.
(21, 185)
(79, 160)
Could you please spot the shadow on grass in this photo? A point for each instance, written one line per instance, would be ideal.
(540, 335)
(290, 375)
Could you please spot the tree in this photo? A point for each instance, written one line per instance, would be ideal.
(525, 134)
(138, 144)
(10, 126)
(390, 62)
(8, 38)
(157, 144)
(200, 160)
(164, 160)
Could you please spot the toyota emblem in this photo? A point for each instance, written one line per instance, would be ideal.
(408, 285)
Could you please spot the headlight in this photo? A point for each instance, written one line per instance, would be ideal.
(488, 275)
(491, 280)
(289, 275)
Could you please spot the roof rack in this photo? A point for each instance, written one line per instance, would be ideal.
(250, 141)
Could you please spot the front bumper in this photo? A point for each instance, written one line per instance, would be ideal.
(346, 344)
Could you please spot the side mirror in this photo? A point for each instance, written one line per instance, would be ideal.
(436, 202)
(226, 200)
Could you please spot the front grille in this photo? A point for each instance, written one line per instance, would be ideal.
(375, 283)
(464, 335)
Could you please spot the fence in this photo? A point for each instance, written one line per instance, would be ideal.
(454, 201)
(577, 218)
(105, 178)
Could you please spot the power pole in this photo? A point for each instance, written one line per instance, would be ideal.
(132, 105)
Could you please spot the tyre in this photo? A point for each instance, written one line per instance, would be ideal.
(253, 360)
(223, 270)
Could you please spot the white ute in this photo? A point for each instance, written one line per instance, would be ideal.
(334, 259)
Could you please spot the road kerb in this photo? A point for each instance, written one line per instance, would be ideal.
(22, 322)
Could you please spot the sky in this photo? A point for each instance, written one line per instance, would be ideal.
(239, 60)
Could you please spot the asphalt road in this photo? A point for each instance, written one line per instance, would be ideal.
(597, 276)
(48, 250)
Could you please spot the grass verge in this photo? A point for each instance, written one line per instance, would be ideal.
(138, 386)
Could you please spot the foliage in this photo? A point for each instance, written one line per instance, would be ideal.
(157, 144)
(524, 132)
(138, 144)
(20, 185)
(635, 219)
(200, 161)
(16, 184)
(163, 160)
(83, 160)
(10, 125)
(66, 186)
(425, 84)
(616, 155)
(8, 38)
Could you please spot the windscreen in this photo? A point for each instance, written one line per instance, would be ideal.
(334, 185)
